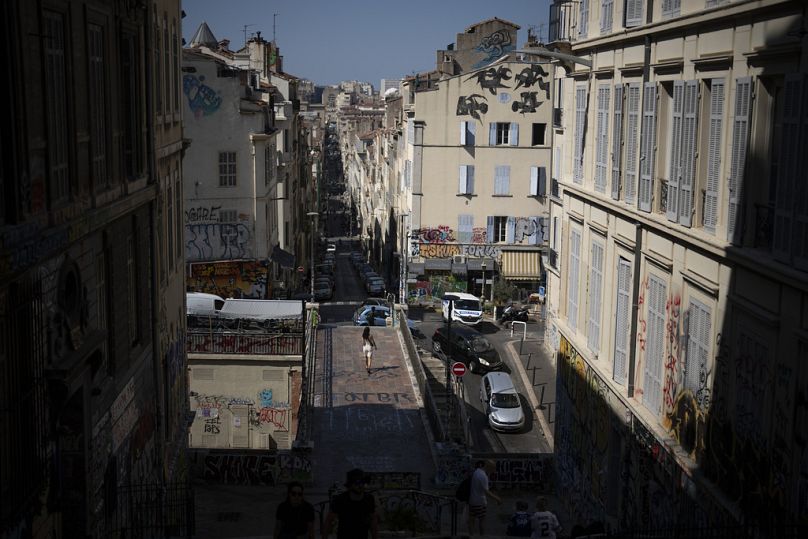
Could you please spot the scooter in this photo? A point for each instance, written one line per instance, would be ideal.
(512, 314)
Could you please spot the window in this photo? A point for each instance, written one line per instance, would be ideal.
(655, 344)
(407, 173)
(580, 127)
(502, 180)
(647, 146)
(622, 320)
(595, 296)
(269, 164)
(683, 152)
(97, 104)
(583, 22)
(740, 137)
(131, 273)
(178, 210)
(166, 65)
(503, 134)
(606, 10)
(129, 109)
(538, 134)
(227, 169)
(228, 216)
(56, 103)
(633, 13)
(789, 233)
(714, 154)
(538, 181)
(572, 278)
(465, 228)
(698, 346)
(175, 86)
(602, 138)
(170, 226)
(466, 181)
(467, 132)
(632, 139)
(497, 229)
(670, 8)
(752, 381)
(617, 140)
(158, 68)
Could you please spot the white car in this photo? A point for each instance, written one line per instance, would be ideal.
(501, 402)
(331, 248)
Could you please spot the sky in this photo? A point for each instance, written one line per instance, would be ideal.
(328, 41)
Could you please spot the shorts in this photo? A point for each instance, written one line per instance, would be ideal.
(367, 350)
(477, 511)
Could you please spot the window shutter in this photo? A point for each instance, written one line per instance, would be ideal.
(490, 229)
(675, 172)
(583, 23)
(572, 279)
(538, 235)
(492, 134)
(622, 321)
(698, 344)
(542, 181)
(580, 126)
(595, 291)
(647, 145)
(463, 187)
(714, 154)
(606, 16)
(787, 167)
(465, 225)
(601, 148)
(617, 134)
(689, 135)
(506, 179)
(670, 8)
(463, 131)
(632, 139)
(514, 134)
(470, 179)
(534, 181)
(633, 13)
(655, 345)
(510, 230)
(471, 129)
(557, 163)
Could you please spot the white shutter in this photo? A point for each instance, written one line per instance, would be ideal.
(617, 134)
(583, 21)
(490, 229)
(689, 135)
(492, 134)
(463, 131)
(510, 230)
(655, 345)
(534, 181)
(622, 321)
(580, 126)
(572, 278)
(714, 154)
(606, 10)
(514, 134)
(647, 143)
(698, 344)
(788, 173)
(465, 225)
(601, 147)
(632, 139)
(633, 13)
(595, 293)
(506, 179)
(675, 171)
(463, 186)
(670, 8)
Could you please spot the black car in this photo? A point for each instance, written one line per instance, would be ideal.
(468, 346)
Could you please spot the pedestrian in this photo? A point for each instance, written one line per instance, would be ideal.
(519, 523)
(354, 510)
(543, 523)
(368, 345)
(294, 517)
(478, 496)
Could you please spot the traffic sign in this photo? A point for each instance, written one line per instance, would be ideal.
(300, 269)
(458, 369)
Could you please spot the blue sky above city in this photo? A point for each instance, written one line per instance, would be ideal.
(328, 41)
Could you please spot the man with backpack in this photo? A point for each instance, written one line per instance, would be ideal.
(474, 491)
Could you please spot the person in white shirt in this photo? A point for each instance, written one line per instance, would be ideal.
(543, 523)
(478, 495)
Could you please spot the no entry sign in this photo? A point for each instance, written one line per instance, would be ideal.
(458, 369)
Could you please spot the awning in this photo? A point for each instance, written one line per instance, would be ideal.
(263, 309)
(284, 259)
(438, 264)
(476, 264)
(415, 268)
(521, 265)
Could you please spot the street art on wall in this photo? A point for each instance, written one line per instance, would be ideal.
(472, 105)
(493, 46)
(202, 99)
(528, 103)
(434, 288)
(491, 79)
(439, 234)
(531, 230)
(217, 241)
(437, 250)
(533, 75)
(234, 279)
(251, 467)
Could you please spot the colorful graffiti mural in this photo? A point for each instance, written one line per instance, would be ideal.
(493, 46)
(217, 241)
(247, 279)
(434, 288)
(202, 99)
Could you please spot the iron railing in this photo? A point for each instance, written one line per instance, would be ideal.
(146, 511)
(764, 218)
(222, 342)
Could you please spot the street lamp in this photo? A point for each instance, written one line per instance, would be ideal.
(313, 215)
(482, 298)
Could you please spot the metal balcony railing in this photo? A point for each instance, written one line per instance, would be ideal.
(222, 342)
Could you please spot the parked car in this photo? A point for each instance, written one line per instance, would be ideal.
(366, 276)
(375, 287)
(332, 247)
(371, 315)
(376, 301)
(501, 402)
(468, 346)
(322, 292)
(324, 269)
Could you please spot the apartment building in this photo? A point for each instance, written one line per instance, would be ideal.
(677, 272)
(92, 390)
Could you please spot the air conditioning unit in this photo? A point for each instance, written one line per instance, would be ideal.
(459, 259)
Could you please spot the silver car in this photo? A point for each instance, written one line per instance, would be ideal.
(501, 402)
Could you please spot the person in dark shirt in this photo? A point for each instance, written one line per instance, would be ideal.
(354, 510)
(294, 518)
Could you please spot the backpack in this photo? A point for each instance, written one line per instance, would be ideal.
(464, 490)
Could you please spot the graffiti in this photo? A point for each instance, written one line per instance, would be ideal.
(533, 75)
(441, 234)
(472, 105)
(471, 250)
(212, 426)
(207, 402)
(201, 98)
(491, 79)
(493, 46)
(671, 374)
(240, 469)
(452, 464)
(293, 467)
(412, 511)
(393, 480)
(217, 241)
(366, 423)
(202, 214)
(277, 417)
(532, 228)
(265, 397)
(533, 470)
(687, 422)
(752, 380)
(479, 234)
(528, 103)
(415, 249)
(379, 397)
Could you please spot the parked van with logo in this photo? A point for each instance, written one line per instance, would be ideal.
(466, 308)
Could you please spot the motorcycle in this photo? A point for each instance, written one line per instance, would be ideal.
(513, 314)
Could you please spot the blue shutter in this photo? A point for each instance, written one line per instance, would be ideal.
(506, 179)
(632, 140)
(538, 235)
(470, 179)
(510, 230)
(622, 320)
(514, 136)
(789, 173)
(490, 229)
(689, 135)
(492, 134)
(470, 133)
(633, 13)
(714, 154)
(617, 143)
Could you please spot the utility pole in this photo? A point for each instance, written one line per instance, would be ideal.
(274, 16)
(245, 33)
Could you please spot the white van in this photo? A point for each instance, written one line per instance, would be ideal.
(466, 309)
(202, 304)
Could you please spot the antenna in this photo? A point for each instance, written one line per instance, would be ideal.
(274, 15)
(245, 32)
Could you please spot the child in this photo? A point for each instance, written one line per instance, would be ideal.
(519, 524)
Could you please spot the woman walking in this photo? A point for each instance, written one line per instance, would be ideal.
(294, 518)
(368, 345)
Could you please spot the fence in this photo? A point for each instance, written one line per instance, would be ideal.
(146, 511)
(239, 343)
